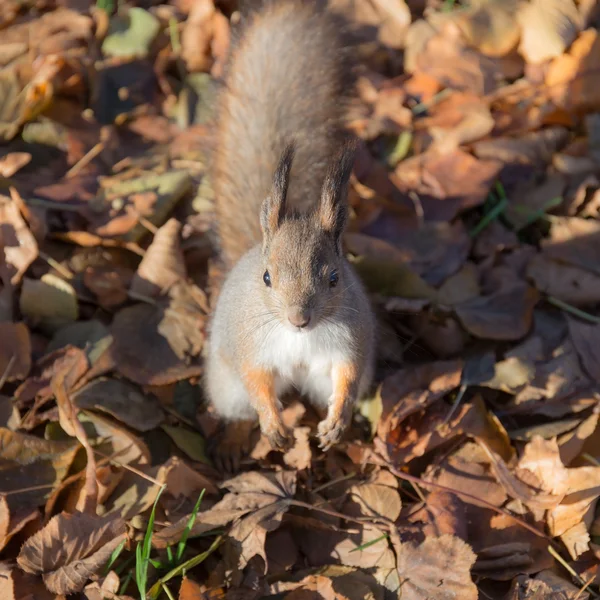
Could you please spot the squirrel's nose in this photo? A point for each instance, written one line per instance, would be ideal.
(298, 317)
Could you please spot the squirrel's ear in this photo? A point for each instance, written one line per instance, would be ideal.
(273, 208)
(333, 209)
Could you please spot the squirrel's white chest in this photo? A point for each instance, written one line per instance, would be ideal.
(305, 359)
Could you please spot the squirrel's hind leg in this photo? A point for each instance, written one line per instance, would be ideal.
(231, 405)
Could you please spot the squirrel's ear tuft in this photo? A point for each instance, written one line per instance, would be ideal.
(333, 209)
(273, 208)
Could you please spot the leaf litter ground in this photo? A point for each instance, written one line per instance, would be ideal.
(472, 470)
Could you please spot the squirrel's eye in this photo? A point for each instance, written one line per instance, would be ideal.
(267, 279)
(333, 278)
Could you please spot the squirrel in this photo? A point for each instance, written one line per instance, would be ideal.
(291, 313)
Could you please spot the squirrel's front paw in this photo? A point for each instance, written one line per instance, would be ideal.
(279, 436)
(331, 431)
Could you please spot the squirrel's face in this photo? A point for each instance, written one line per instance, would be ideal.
(302, 276)
(302, 256)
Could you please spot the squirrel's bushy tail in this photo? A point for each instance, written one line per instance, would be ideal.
(289, 78)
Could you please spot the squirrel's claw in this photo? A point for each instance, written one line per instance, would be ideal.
(330, 432)
(279, 436)
(231, 446)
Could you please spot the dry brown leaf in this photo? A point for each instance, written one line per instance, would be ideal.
(112, 438)
(15, 351)
(573, 285)
(205, 38)
(447, 184)
(545, 586)
(13, 162)
(390, 18)
(414, 389)
(570, 78)
(155, 345)
(548, 27)
(442, 513)
(248, 534)
(17, 585)
(30, 464)
(108, 283)
(266, 496)
(69, 421)
(490, 27)
(49, 302)
(163, 264)
(20, 247)
(574, 241)
(529, 201)
(447, 58)
(122, 400)
(468, 469)
(438, 568)
(504, 315)
(70, 549)
(585, 338)
(135, 494)
(299, 456)
(375, 500)
(332, 582)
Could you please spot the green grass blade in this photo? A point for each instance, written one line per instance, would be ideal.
(180, 569)
(142, 552)
(371, 543)
(168, 592)
(140, 572)
(494, 213)
(114, 556)
(186, 532)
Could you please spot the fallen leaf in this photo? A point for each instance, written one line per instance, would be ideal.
(528, 203)
(15, 351)
(70, 549)
(547, 28)
(567, 79)
(534, 148)
(30, 464)
(503, 315)
(466, 470)
(490, 27)
(205, 38)
(135, 493)
(412, 390)
(573, 285)
(447, 58)
(438, 568)
(154, 346)
(585, 337)
(109, 284)
(20, 247)
(272, 495)
(163, 263)
(49, 302)
(121, 400)
(189, 442)
(113, 439)
(447, 184)
(376, 500)
(389, 18)
(17, 585)
(442, 513)
(131, 36)
(299, 456)
(13, 162)
(546, 584)
(332, 582)
(152, 196)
